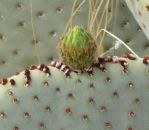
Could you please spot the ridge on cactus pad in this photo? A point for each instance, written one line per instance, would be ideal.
(77, 48)
(55, 97)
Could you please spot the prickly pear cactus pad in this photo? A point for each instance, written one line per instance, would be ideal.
(112, 96)
(125, 26)
(140, 10)
(18, 48)
(77, 48)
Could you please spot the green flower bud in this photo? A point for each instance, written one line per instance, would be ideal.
(77, 48)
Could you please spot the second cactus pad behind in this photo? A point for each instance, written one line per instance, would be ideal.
(77, 48)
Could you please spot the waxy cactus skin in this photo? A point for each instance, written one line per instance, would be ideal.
(111, 93)
(56, 97)
(140, 10)
(17, 47)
